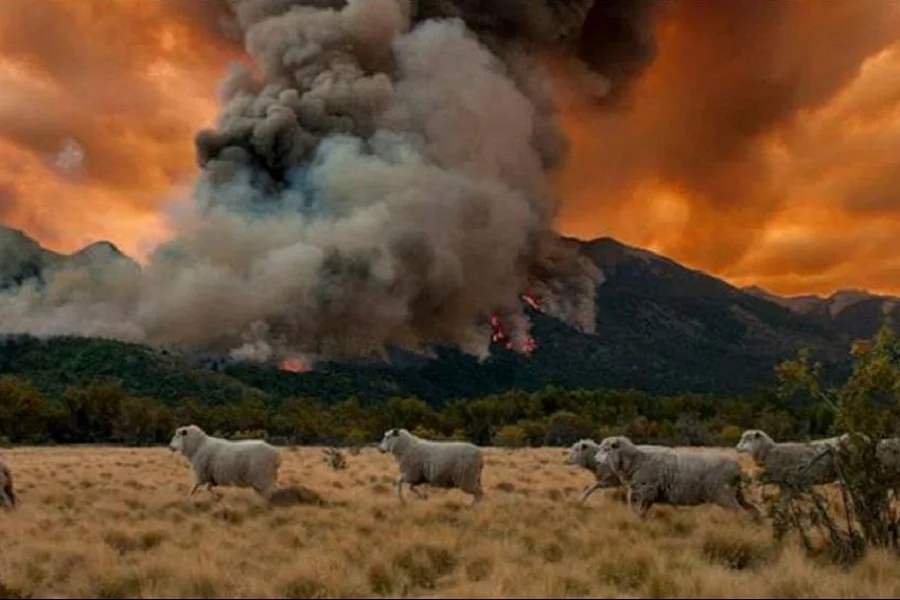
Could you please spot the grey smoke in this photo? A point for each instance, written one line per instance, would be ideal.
(377, 179)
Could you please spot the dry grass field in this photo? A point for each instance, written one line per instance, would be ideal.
(116, 523)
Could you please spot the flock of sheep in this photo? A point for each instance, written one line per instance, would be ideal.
(687, 476)
(652, 474)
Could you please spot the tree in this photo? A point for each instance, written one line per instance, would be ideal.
(565, 428)
(867, 407)
(23, 412)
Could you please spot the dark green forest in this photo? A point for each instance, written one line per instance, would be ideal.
(105, 413)
(74, 390)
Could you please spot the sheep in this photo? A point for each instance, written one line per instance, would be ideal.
(682, 478)
(216, 461)
(7, 493)
(792, 465)
(583, 454)
(436, 463)
(887, 452)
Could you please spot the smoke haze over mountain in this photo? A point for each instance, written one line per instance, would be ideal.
(394, 172)
(376, 176)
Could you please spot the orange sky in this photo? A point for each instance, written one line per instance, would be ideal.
(762, 145)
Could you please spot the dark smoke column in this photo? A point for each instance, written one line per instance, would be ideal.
(378, 179)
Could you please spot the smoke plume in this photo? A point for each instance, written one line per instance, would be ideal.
(376, 177)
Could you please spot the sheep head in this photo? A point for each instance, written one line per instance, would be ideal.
(580, 453)
(392, 438)
(187, 439)
(752, 441)
(617, 452)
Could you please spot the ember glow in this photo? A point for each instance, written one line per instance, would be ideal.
(294, 365)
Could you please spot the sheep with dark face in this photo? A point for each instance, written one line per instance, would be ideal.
(440, 464)
(583, 453)
(682, 477)
(216, 461)
(7, 492)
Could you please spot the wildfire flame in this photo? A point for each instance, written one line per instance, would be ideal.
(294, 365)
(531, 301)
(499, 335)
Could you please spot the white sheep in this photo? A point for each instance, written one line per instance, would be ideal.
(7, 493)
(792, 466)
(682, 477)
(583, 453)
(887, 452)
(442, 464)
(216, 461)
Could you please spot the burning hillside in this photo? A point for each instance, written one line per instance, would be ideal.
(525, 344)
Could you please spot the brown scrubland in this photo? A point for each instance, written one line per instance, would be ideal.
(107, 522)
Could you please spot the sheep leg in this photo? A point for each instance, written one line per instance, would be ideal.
(414, 488)
(643, 509)
(8, 499)
(477, 494)
(639, 502)
(265, 492)
(193, 488)
(589, 490)
(210, 487)
(399, 485)
(747, 505)
(733, 498)
(785, 496)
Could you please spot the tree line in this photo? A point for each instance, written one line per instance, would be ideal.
(798, 407)
(104, 412)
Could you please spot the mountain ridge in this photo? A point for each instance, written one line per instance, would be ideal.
(854, 312)
(23, 258)
(660, 327)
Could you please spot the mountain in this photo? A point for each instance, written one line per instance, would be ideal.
(854, 313)
(22, 258)
(661, 327)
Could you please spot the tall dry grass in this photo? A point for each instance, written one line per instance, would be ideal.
(116, 523)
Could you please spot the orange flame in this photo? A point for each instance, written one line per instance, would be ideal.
(531, 301)
(294, 365)
(499, 335)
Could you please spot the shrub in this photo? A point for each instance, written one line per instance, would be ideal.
(510, 436)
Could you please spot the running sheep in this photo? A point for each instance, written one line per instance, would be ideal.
(793, 466)
(683, 477)
(440, 464)
(887, 452)
(7, 493)
(216, 461)
(583, 453)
